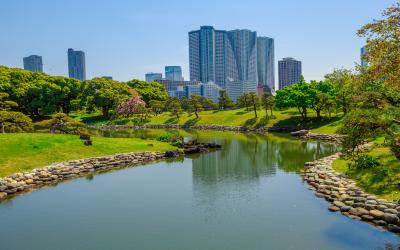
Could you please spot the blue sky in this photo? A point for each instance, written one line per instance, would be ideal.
(126, 39)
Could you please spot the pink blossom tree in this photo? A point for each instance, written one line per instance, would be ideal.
(134, 105)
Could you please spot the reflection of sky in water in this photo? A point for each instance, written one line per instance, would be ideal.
(246, 196)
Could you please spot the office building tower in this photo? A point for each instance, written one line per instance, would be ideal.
(152, 77)
(289, 71)
(107, 77)
(33, 63)
(234, 89)
(76, 64)
(266, 62)
(363, 62)
(211, 91)
(220, 56)
(173, 73)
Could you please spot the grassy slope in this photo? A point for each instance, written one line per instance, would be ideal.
(24, 151)
(386, 186)
(238, 117)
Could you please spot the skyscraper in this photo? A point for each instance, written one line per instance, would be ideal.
(220, 56)
(76, 64)
(173, 73)
(266, 62)
(33, 63)
(362, 54)
(289, 71)
(151, 77)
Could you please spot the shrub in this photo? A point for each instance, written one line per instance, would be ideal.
(366, 162)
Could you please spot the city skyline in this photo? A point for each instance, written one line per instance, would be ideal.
(318, 38)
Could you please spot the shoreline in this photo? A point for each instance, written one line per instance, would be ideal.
(344, 196)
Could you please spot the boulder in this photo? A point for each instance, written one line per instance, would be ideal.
(391, 218)
(333, 209)
(376, 214)
(3, 195)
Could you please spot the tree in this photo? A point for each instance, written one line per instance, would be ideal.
(196, 104)
(6, 104)
(268, 102)
(244, 101)
(14, 121)
(254, 102)
(62, 123)
(68, 92)
(298, 95)
(157, 106)
(104, 94)
(342, 79)
(174, 106)
(383, 47)
(149, 90)
(321, 92)
(133, 105)
(224, 102)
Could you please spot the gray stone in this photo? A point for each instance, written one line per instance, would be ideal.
(333, 209)
(394, 228)
(345, 208)
(390, 218)
(339, 204)
(377, 214)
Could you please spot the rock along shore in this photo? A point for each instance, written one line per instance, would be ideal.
(28, 181)
(345, 197)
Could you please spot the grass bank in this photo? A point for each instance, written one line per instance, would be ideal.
(26, 151)
(382, 180)
(237, 117)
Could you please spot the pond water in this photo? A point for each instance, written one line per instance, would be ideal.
(249, 195)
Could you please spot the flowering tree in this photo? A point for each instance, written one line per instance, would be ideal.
(134, 105)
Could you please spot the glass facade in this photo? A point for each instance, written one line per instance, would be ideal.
(173, 73)
(289, 72)
(33, 63)
(76, 64)
(265, 62)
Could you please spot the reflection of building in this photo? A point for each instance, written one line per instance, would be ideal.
(235, 89)
(152, 77)
(173, 73)
(76, 64)
(289, 72)
(363, 62)
(33, 63)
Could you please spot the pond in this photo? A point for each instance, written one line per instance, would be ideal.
(249, 195)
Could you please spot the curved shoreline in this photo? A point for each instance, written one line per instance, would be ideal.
(20, 183)
(344, 196)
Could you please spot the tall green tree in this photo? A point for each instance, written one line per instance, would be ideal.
(174, 106)
(224, 102)
(254, 101)
(321, 92)
(244, 101)
(343, 80)
(149, 90)
(104, 93)
(268, 102)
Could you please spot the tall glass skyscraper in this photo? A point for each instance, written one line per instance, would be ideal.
(266, 62)
(173, 73)
(33, 63)
(289, 71)
(76, 64)
(220, 56)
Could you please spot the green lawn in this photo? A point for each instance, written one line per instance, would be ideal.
(237, 117)
(383, 181)
(26, 151)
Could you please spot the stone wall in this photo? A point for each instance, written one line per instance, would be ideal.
(323, 137)
(28, 181)
(345, 197)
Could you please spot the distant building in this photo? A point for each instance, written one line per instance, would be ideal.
(192, 90)
(210, 90)
(363, 62)
(107, 77)
(266, 62)
(235, 89)
(152, 77)
(33, 63)
(173, 73)
(220, 56)
(76, 64)
(289, 72)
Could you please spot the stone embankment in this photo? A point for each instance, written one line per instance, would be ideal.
(345, 197)
(58, 172)
(283, 129)
(307, 135)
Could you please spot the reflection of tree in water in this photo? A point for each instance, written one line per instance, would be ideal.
(252, 156)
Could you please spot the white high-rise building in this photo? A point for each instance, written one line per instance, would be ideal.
(289, 72)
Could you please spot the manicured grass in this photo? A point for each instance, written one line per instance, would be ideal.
(25, 151)
(383, 180)
(237, 117)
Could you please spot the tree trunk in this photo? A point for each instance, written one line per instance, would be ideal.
(266, 112)
(318, 113)
(255, 110)
(271, 112)
(105, 111)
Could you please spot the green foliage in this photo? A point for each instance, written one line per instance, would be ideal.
(104, 93)
(149, 90)
(12, 121)
(365, 162)
(224, 102)
(62, 123)
(174, 106)
(342, 79)
(268, 102)
(6, 104)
